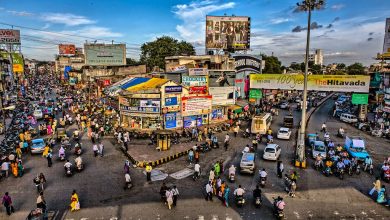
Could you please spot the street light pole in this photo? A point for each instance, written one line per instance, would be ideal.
(306, 5)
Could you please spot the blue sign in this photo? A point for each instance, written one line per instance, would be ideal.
(170, 101)
(66, 71)
(173, 89)
(192, 121)
(170, 120)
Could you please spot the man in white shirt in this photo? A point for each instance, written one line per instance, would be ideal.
(226, 142)
(232, 170)
(211, 175)
(263, 174)
(239, 191)
(5, 168)
(197, 170)
(209, 192)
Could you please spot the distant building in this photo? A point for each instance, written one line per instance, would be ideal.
(386, 42)
(317, 57)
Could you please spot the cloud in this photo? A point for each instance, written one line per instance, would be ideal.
(298, 29)
(371, 33)
(20, 13)
(314, 25)
(329, 26)
(279, 20)
(370, 39)
(337, 7)
(193, 17)
(336, 19)
(66, 19)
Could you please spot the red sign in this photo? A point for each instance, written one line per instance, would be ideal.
(202, 90)
(106, 82)
(67, 49)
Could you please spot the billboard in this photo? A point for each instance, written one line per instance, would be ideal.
(198, 71)
(196, 105)
(9, 36)
(67, 49)
(198, 90)
(246, 62)
(330, 83)
(105, 54)
(173, 89)
(359, 99)
(227, 32)
(386, 43)
(17, 63)
(222, 95)
(194, 81)
(143, 106)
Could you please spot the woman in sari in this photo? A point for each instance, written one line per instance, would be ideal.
(14, 169)
(49, 129)
(226, 195)
(74, 202)
(20, 168)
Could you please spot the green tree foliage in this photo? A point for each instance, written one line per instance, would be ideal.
(272, 64)
(355, 69)
(340, 66)
(316, 69)
(133, 62)
(154, 53)
(295, 66)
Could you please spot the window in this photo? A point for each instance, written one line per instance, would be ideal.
(270, 150)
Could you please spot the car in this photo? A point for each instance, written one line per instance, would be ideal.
(311, 138)
(284, 105)
(247, 163)
(38, 114)
(272, 152)
(318, 147)
(38, 145)
(298, 100)
(348, 118)
(284, 133)
(356, 147)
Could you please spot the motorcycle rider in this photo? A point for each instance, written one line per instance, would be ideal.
(326, 136)
(61, 152)
(341, 132)
(280, 204)
(340, 165)
(232, 170)
(347, 162)
(67, 165)
(263, 174)
(323, 127)
(79, 162)
(367, 162)
(257, 193)
(239, 192)
(319, 162)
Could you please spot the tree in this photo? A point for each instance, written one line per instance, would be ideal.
(295, 66)
(132, 62)
(355, 69)
(272, 64)
(154, 53)
(316, 69)
(340, 66)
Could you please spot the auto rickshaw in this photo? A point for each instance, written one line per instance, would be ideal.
(61, 133)
(311, 138)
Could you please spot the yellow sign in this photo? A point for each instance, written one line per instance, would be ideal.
(337, 83)
(17, 68)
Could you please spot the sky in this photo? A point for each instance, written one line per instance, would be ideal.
(347, 31)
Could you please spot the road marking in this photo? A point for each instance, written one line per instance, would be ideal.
(186, 172)
(200, 217)
(336, 213)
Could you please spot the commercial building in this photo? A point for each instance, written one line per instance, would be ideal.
(317, 57)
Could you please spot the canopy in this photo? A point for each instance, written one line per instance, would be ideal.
(358, 143)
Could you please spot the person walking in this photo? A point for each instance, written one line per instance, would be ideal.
(5, 168)
(196, 156)
(74, 202)
(7, 202)
(95, 150)
(148, 170)
(217, 168)
(236, 129)
(169, 196)
(41, 203)
(49, 157)
(226, 142)
(191, 156)
(126, 167)
(377, 186)
(280, 168)
(175, 193)
(101, 148)
(211, 175)
(226, 195)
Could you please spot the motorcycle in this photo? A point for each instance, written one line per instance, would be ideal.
(278, 213)
(232, 177)
(386, 176)
(262, 181)
(270, 140)
(369, 168)
(317, 165)
(68, 171)
(62, 157)
(258, 202)
(350, 170)
(240, 201)
(327, 171)
(340, 173)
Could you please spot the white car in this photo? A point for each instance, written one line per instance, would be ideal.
(284, 105)
(348, 118)
(284, 133)
(272, 152)
(38, 114)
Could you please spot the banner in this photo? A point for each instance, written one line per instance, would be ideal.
(170, 120)
(255, 94)
(9, 36)
(67, 49)
(105, 54)
(331, 83)
(198, 90)
(195, 81)
(17, 63)
(170, 101)
(222, 95)
(198, 71)
(359, 99)
(173, 89)
(196, 105)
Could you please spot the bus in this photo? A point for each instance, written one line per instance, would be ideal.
(261, 123)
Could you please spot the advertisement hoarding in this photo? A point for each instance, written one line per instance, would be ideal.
(255, 94)
(386, 43)
(222, 95)
(145, 106)
(173, 89)
(17, 63)
(9, 36)
(195, 81)
(198, 71)
(359, 99)
(336, 83)
(170, 120)
(227, 32)
(67, 49)
(250, 63)
(199, 90)
(105, 54)
(196, 105)
(170, 101)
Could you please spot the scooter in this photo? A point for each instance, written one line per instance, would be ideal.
(278, 213)
(258, 202)
(262, 181)
(240, 201)
(232, 177)
(68, 171)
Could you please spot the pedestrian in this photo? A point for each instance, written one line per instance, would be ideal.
(49, 157)
(211, 175)
(126, 167)
(169, 196)
(175, 193)
(7, 202)
(101, 148)
(148, 170)
(95, 150)
(191, 156)
(226, 195)
(280, 168)
(381, 198)
(209, 191)
(226, 142)
(20, 168)
(74, 202)
(41, 203)
(377, 186)
(5, 168)
(200, 136)
(196, 155)
(126, 145)
(236, 129)
(217, 168)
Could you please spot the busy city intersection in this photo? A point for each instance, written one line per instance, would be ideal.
(97, 122)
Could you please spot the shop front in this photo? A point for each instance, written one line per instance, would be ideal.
(222, 99)
(196, 110)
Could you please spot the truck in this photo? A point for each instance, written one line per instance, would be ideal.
(356, 147)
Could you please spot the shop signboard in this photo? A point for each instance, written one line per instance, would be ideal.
(246, 62)
(330, 83)
(145, 106)
(150, 103)
(222, 95)
(196, 105)
(192, 121)
(170, 120)
(9, 36)
(359, 99)
(173, 89)
(17, 62)
(255, 94)
(198, 90)
(67, 49)
(170, 101)
(195, 81)
(105, 54)
(198, 71)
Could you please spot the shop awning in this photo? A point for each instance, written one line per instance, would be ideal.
(133, 82)
(151, 83)
(236, 108)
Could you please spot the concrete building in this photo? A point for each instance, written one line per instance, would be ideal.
(317, 57)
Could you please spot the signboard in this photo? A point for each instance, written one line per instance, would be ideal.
(170, 101)
(17, 63)
(192, 121)
(196, 105)
(194, 80)
(333, 83)
(9, 36)
(131, 70)
(72, 80)
(226, 32)
(105, 54)
(245, 62)
(255, 94)
(67, 49)
(198, 71)
(222, 95)
(173, 89)
(145, 106)
(200, 90)
(386, 43)
(359, 99)
(170, 120)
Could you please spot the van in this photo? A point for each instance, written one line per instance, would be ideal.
(348, 118)
(288, 121)
(247, 163)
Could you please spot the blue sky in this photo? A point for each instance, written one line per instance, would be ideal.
(348, 30)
